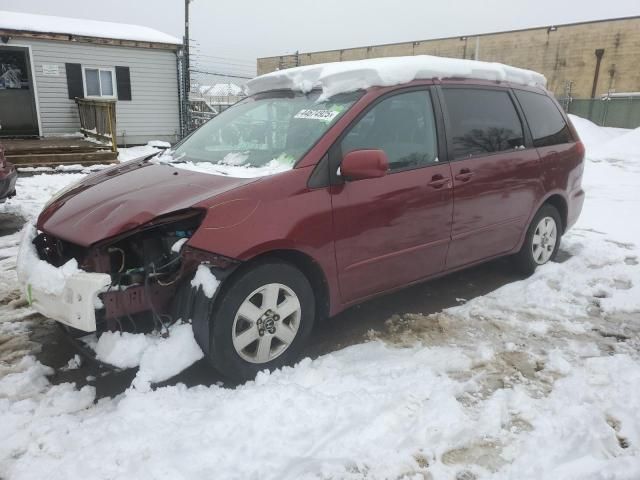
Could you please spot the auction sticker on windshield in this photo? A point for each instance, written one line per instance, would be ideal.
(325, 115)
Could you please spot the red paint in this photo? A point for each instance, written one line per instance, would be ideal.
(364, 164)
(367, 236)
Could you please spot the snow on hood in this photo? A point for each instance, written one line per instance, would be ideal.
(82, 27)
(340, 77)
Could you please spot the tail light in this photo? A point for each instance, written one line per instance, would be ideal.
(580, 148)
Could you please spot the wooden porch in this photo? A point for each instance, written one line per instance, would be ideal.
(54, 151)
(97, 123)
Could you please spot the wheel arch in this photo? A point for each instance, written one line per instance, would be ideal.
(310, 269)
(557, 200)
(559, 203)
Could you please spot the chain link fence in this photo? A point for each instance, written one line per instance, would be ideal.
(212, 85)
(211, 94)
(621, 112)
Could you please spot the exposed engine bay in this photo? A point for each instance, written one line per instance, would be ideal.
(147, 266)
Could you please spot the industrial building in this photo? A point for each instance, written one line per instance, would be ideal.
(580, 60)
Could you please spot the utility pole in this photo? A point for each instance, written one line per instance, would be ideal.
(185, 76)
(186, 47)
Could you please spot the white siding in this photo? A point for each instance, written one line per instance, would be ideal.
(152, 112)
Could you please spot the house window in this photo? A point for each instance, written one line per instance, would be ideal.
(99, 82)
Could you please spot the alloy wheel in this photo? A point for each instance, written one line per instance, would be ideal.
(544, 240)
(266, 323)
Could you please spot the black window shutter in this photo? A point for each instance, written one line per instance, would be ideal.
(123, 81)
(74, 80)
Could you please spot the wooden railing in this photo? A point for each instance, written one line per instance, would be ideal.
(98, 120)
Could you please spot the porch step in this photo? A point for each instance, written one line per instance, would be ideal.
(55, 159)
(50, 145)
(48, 150)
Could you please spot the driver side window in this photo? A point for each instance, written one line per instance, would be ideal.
(403, 126)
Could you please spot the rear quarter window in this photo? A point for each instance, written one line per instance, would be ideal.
(547, 124)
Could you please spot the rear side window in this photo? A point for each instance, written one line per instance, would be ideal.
(482, 121)
(403, 126)
(547, 124)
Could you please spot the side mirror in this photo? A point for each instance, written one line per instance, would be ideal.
(362, 164)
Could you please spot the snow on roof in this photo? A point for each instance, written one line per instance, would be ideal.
(338, 77)
(82, 27)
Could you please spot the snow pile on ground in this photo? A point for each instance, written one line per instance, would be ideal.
(608, 144)
(610, 181)
(33, 192)
(593, 135)
(340, 77)
(65, 168)
(38, 273)
(539, 379)
(159, 358)
(622, 148)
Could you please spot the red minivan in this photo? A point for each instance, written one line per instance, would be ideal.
(297, 203)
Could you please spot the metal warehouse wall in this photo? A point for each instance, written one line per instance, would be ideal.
(564, 53)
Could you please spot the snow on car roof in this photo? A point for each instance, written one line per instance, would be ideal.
(339, 77)
(82, 27)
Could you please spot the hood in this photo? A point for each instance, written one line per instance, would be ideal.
(120, 199)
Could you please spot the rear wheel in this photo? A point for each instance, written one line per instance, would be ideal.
(262, 320)
(542, 241)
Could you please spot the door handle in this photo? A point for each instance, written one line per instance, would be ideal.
(464, 175)
(438, 181)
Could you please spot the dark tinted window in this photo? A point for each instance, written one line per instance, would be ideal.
(482, 121)
(545, 120)
(403, 126)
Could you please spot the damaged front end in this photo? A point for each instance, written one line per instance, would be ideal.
(143, 273)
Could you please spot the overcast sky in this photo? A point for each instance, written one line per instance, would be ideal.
(241, 31)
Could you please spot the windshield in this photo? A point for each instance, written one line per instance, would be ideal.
(261, 135)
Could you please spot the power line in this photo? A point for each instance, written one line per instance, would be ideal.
(219, 74)
(216, 65)
(233, 66)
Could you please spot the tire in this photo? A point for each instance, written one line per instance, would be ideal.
(532, 256)
(249, 335)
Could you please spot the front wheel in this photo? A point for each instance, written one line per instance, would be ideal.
(262, 320)
(542, 241)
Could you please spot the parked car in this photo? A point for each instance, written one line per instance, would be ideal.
(8, 176)
(292, 206)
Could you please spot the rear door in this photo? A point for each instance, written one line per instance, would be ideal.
(496, 172)
(560, 159)
(393, 230)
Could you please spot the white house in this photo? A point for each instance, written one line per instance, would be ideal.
(46, 62)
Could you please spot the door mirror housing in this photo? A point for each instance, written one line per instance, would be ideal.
(363, 164)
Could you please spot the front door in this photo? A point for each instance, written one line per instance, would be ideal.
(496, 178)
(393, 230)
(18, 116)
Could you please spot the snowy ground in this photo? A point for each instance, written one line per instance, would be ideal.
(539, 379)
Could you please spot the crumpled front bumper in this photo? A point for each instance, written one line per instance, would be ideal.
(76, 306)
(66, 294)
